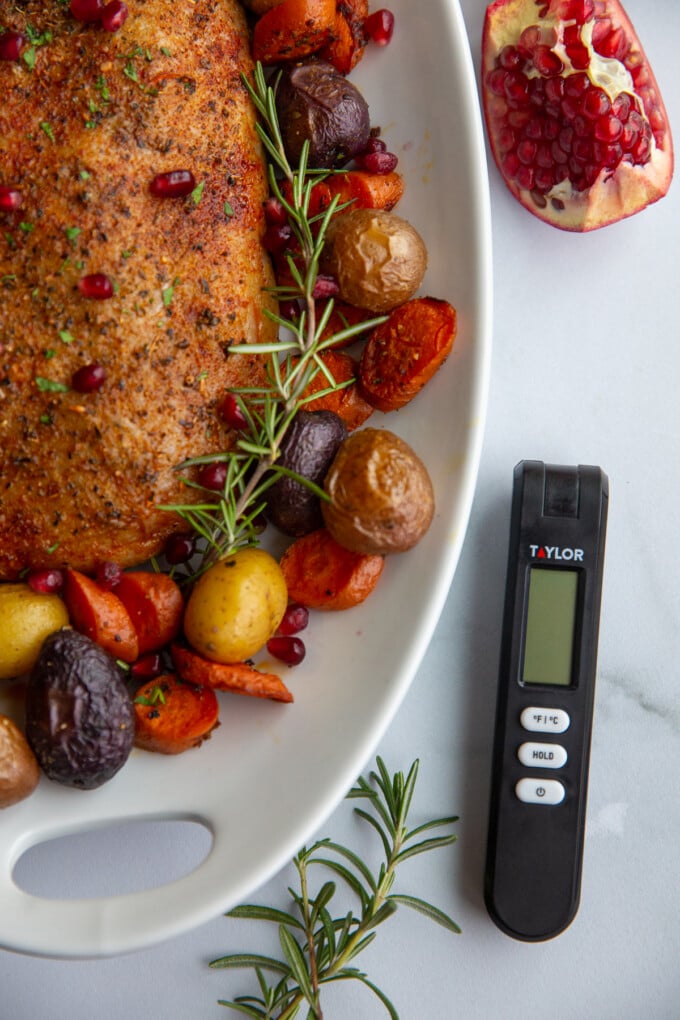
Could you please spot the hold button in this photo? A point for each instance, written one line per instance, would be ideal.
(542, 756)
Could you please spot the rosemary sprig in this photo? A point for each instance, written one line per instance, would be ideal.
(317, 948)
(227, 522)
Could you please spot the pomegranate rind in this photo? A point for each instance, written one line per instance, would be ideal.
(614, 195)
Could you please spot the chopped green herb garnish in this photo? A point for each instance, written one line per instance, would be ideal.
(73, 233)
(49, 385)
(197, 193)
(47, 128)
(27, 227)
(65, 336)
(228, 211)
(156, 697)
(50, 353)
(169, 292)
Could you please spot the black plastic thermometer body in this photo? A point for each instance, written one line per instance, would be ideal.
(545, 698)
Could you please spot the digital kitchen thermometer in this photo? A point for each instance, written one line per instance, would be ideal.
(545, 698)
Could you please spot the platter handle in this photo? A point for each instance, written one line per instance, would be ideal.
(109, 925)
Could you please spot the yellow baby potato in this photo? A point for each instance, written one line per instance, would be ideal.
(26, 618)
(236, 606)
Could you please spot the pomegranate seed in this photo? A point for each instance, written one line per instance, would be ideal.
(551, 129)
(173, 184)
(87, 10)
(614, 45)
(516, 86)
(595, 103)
(525, 177)
(534, 128)
(289, 310)
(108, 574)
(528, 40)
(569, 108)
(10, 198)
(544, 159)
(97, 286)
(495, 79)
(179, 549)
(114, 15)
(378, 162)
(526, 151)
(578, 55)
(544, 179)
(88, 378)
(374, 144)
(622, 106)
(47, 581)
(274, 212)
(325, 287)
(506, 139)
(575, 85)
(290, 650)
(546, 62)
(231, 413)
(276, 237)
(510, 58)
(608, 129)
(213, 476)
(147, 666)
(295, 619)
(558, 153)
(11, 45)
(379, 27)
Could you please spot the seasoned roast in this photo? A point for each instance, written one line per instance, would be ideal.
(88, 120)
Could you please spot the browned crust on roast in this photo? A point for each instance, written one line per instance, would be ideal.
(81, 136)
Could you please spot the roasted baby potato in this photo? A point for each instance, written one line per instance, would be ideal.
(308, 449)
(19, 769)
(316, 103)
(236, 606)
(381, 496)
(79, 714)
(26, 618)
(378, 258)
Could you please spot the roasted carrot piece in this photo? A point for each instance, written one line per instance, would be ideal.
(342, 316)
(171, 716)
(155, 604)
(101, 615)
(405, 351)
(292, 30)
(347, 402)
(237, 677)
(346, 46)
(321, 574)
(362, 189)
(368, 191)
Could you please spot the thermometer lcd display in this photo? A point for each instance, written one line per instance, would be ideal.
(550, 624)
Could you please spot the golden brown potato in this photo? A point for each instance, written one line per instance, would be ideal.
(381, 496)
(19, 770)
(378, 258)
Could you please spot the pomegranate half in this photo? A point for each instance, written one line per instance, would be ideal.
(575, 118)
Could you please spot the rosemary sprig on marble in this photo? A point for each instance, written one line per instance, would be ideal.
(318, 948)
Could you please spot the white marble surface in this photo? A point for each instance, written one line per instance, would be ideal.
(586, 368)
